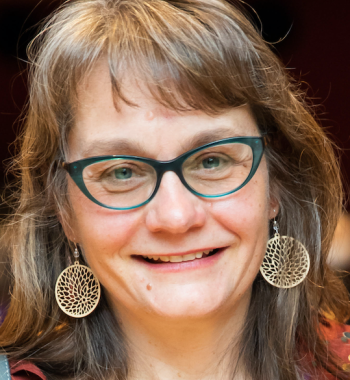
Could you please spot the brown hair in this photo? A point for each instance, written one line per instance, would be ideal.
(199, 54)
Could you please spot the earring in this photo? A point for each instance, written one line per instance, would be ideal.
(77, 289)
(286, 262)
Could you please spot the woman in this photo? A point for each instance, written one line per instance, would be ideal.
(164, 145)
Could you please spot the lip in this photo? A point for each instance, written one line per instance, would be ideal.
(185, 265)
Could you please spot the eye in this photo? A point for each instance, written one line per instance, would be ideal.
(211, 162)
(123, 173)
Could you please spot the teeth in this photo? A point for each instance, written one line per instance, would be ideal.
(189, 257)
(176, 259)
(179, 259)
(165, 258)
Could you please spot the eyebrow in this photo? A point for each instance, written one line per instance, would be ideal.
(133, 148)
(206, 137)
(114, 147)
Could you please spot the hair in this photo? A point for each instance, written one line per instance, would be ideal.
(191, 54)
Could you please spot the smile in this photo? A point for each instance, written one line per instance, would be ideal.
(180, 259)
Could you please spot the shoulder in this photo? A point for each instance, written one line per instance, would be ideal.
(25, 371)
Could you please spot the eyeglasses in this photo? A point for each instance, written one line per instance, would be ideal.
(126, 182)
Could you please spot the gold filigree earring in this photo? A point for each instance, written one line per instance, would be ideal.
(77, 289)
(286, 262)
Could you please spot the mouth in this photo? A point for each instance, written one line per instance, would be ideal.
(179, 259)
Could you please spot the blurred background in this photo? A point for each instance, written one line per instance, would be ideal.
(310, 36)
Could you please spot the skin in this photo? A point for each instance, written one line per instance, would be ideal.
(339, 257)
(178, 323)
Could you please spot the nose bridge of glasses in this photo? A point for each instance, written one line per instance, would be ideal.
(174, 165)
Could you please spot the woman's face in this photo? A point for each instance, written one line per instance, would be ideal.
(175, 222)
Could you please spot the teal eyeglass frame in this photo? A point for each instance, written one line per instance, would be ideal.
(75, 169)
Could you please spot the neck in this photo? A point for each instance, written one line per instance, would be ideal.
(166, 348)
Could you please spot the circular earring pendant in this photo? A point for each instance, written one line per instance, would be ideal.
(286, 262)
(77, 291)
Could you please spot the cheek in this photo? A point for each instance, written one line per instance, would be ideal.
(246, 215)
(100, 230)
(244, 212)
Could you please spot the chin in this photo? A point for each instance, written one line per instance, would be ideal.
(189, 303)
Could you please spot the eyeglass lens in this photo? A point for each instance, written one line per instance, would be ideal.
(127, 182)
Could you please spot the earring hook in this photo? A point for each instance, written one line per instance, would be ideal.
(275, 224)
(76, 254)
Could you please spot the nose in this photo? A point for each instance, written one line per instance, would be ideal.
(174, 209)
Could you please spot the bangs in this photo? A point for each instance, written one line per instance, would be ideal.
(187, 58)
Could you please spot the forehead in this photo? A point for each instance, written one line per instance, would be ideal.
(102, 123)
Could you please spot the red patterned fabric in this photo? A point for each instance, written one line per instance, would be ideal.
(338, 338)
(333, 332)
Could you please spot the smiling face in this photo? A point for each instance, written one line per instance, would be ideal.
(175, 223)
